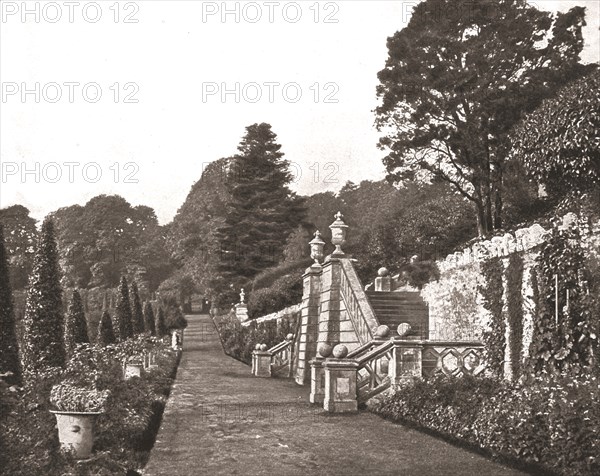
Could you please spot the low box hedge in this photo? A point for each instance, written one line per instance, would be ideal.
(549, 422)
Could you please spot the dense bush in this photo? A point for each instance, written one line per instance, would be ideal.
(284, 292)
(239, 341)
(544, 421)
(125, 433)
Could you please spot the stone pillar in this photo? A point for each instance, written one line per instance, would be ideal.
(309, 326)
(329, 317)
(383, 281)
(340, 386)
(317, 381)
(262, 363)
(406, 364)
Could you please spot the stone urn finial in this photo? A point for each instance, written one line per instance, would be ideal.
(338, 233)
(316, 247)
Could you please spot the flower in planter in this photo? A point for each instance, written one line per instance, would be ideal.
(71, 398)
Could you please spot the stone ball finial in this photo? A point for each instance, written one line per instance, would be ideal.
(257, 347)
(382, 331)
(263, 347)
(340, 351)
(403, 329)
(382, 272)
(324, 349)
(289, 337)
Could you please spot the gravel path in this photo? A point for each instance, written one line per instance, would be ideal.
(221, 420)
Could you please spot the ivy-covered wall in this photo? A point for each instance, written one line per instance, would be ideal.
(490, 292)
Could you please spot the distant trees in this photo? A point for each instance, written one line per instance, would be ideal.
(454, 85)
(558, 143)
(123, 315)
(43, 344)
(75, 324)
(161, 326)
(106, 238)
(9, 348)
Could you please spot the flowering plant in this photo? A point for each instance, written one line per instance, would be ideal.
(70, 398)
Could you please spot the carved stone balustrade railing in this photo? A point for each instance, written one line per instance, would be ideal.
(341, 384)
(273, 362)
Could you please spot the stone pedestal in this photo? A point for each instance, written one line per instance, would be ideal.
(241, 312)
(317, 381)
(262, 363)
(340, 386)
(309, 326)
(383, 284)
(406, 364)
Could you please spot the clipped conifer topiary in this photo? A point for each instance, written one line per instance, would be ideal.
(150, 324)
(75, 325)
(106, 333)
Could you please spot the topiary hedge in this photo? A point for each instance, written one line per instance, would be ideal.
(548, 421)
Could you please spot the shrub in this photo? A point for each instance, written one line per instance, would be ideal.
(284, 292)
(239, 341)
(123, 315)
(70, 398)
(545, 420)
(106, 333)
(136, 311)
(75, 325)
(149, 320)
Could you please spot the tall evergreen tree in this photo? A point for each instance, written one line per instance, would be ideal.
(43, 344)
(76, 331)
(136, 310)
(9, 349)
(161, 326)
(106, 333)
(262, 212)
(123, 317)
(150, 325)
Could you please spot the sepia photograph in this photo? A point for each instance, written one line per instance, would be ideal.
(297, 238)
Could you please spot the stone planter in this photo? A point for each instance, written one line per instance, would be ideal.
(132, 370)
(76, 432)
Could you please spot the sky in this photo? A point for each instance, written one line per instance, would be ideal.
(135, 98)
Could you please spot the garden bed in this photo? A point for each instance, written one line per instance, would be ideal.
(548, 424)
(125, 433)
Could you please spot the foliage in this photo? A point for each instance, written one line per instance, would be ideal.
(454, 85)
(75, 325)
(573, 340)
(70, 398)
(123, 316)
(124, 433)
(136, 310)
(106, 333)
(284, 292)
(20, 236)
(239, 341)
(149, 321)
(161, 326)
(107, 238)
(514, 301)
(419, 273)
(9, 346)
(558, 142)
(493, 334)
(262, 211)
(545, 421)
(42, 345)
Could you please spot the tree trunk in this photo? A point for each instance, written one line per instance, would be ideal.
(498, 204)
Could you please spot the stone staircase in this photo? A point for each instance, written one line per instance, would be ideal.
(393, 308)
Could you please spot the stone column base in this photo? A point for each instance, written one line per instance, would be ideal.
(262, 363)
(317, 381)
(340, 386)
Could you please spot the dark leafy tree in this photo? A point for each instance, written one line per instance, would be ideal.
(20, 236)
(43, 344)
(558, 143)
(123, 317)
(106, 333)
(75, 324)
(262, 211)
(458, 78)
(161, 326)
(9, 348)
(136, 310)
(150, 324)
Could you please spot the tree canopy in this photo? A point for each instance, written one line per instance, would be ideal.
(559, 143)
(455, 84)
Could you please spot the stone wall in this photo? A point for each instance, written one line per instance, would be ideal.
(455, 306)
(275, 316)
